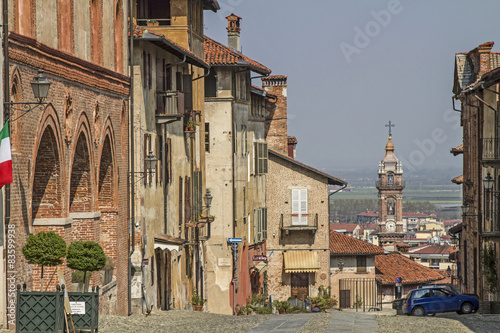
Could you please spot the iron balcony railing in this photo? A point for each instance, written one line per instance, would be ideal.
(397, 185)
(292, 222)
(491, 149)
(160, 21)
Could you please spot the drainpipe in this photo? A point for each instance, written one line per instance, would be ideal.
(329, 262)
(131, 226)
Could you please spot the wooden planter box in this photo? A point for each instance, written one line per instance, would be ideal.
(40, 311)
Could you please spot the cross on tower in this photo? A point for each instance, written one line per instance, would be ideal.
(390, 125)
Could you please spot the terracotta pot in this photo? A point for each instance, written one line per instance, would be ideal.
(197, 307)
(189, 129)
(281, 311)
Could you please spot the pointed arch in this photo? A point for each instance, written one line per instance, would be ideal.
(108, 175)
(81, 187)
(16, 96)
(48, 169)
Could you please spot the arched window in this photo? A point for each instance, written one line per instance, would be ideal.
(390, 179)
(390, 207)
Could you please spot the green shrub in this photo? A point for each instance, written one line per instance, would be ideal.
(45, 249)
(264, 310)
(86, 256)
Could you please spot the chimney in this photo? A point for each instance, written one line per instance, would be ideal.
(481, 58)
(292, 144)
(233, 31)
(276, 120)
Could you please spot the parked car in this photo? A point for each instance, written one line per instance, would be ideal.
(431, 300)
(445, 286)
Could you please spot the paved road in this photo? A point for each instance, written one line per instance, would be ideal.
(342, 322)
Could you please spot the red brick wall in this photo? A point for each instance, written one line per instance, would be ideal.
(47, 169)
(276, 120)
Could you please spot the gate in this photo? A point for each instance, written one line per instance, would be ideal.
(360, 294)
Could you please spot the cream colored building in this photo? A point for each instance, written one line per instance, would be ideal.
(236, 168)
(168, 261)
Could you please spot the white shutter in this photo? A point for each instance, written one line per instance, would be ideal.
(303, 207)
(264, 223)
(255, 226)
(299, 207)
(295, 206)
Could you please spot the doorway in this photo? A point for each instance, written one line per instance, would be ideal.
(300, 285)
(163, 279)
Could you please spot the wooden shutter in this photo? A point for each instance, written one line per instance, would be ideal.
(168, 161)
(181, 193)
(255, 225)
(160, 83)
(361, 264)
(299, 207)
(264, 157)
(187, 89)
(264, 223)
(168, 77)
(150, 72)
(144, 154)
(157, 153)
(187, 203)
(144, 69)
(178, 81)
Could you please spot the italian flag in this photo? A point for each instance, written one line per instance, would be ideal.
(5, 157)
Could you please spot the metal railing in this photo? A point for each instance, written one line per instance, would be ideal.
(396, 185)
(299, 221)
(360, 293)
(161, 21)
(491, 149)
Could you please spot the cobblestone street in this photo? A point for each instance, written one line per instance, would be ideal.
(191, 321)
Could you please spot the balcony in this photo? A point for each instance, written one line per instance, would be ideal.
(490, 152)
(398, 185)
(294, 222)
(170, 106)
(491, 225)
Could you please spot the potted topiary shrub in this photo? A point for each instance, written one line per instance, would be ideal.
(86, 256)
(197, 301)
(190, 125)
(281, 306)
(45, 249)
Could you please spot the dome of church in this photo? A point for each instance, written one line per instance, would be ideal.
(389, 153)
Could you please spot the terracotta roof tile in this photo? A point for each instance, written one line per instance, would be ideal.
(414, 215)
(457, 150)
(219, 54)
(433, 249)
(458, 180)
(389, 266)
(341, 244)
(348, 227)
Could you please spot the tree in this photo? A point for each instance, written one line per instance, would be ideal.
(45, 249)
(86, 256)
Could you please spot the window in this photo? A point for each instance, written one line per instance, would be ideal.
(260, 225)
(261, 158)
(390, 179)
(241, 85)
(244, 140)
(158, 10)
(299, 207)
(207, 137)
(211, 84)
(187, 89)
(361, 264)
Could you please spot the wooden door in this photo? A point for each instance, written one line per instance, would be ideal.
(345, 299)
(300, 285)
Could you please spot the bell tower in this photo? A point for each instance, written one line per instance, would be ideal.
(390, 187)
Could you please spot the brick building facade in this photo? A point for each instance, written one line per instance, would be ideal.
(70, 156)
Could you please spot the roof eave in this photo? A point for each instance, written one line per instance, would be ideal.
(212, 5)
(165, 44)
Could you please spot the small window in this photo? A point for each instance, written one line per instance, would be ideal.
(390, 179)
(207, 137)
(361, 264)
(261, 158)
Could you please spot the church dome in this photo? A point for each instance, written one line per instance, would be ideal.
(389, 153)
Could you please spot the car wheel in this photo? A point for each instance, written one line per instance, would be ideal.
(466, 308)
(418, 311)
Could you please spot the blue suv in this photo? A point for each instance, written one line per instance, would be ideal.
(420, 302)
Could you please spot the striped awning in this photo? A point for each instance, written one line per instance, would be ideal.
(261, 267)
(301, 261)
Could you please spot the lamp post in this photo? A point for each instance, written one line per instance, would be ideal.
(40, 86)
(340, 264)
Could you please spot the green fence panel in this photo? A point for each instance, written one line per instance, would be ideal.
(90, 320)
(39, 311)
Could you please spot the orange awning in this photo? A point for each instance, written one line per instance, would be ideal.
(301, 261)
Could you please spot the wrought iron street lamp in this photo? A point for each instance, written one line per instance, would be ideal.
(40, 86)
(208, 200)
(340, 264)
(465, 209)
(150, 160)
(488, 182)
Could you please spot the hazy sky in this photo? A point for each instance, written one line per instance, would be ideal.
(354, 65)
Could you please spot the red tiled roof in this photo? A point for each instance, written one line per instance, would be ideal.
(219, 54)
(348, 227)
(434, 249)
(457, 150)
(274, 77)
(452, 222)
(369, 213)
(371, 226)
(414, 215)
(390, 266)
(267, 92)
(458, 180)
(346, 245)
